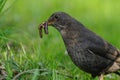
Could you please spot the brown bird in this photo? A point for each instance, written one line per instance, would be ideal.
(87, 50)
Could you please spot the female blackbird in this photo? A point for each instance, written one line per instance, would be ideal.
(87, 50)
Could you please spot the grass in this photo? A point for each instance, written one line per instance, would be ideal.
(2, 3)
(21, 48)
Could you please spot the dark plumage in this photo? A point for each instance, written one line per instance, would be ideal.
(87, 50)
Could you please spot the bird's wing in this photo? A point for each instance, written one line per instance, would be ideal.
(106, 51)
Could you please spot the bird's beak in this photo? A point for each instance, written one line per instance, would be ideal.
(51, 22)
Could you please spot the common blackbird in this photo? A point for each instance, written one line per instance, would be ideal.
(87, 50)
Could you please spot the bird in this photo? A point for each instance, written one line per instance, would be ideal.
(88, 51)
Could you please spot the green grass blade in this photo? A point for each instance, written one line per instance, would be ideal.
(2, 4)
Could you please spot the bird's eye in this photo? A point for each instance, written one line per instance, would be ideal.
(56, 17)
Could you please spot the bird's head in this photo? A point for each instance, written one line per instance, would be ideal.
(59, 20)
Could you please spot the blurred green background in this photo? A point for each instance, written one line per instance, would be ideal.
(22, 49)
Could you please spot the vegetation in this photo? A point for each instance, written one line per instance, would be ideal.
(25, 56)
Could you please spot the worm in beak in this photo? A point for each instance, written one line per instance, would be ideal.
(45, 26)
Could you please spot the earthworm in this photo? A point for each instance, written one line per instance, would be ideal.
(45, 26)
